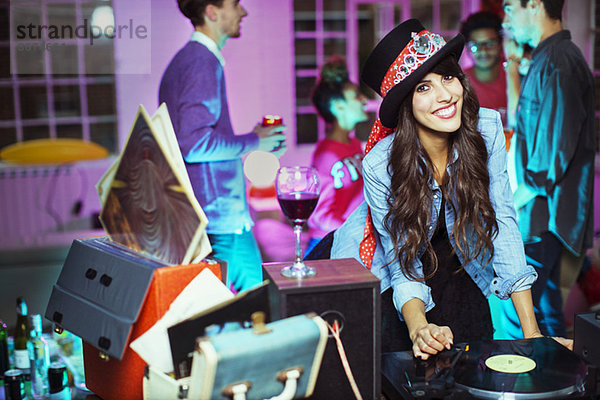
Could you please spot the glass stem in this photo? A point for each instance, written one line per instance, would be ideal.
(297, 233)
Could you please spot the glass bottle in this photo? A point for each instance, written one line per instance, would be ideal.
(20, 354)
(4, 365)
(39, 358)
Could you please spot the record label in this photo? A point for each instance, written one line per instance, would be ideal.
(510, 363)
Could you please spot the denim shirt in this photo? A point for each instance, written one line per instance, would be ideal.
(506, 273)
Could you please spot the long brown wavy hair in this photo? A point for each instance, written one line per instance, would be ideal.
(466, 189)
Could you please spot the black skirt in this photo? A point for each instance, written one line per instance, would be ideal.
(459, 302)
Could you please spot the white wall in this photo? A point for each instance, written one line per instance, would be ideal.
(168, 31)
(577, 18)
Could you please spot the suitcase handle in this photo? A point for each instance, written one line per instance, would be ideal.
(237, 391)
(291, 383)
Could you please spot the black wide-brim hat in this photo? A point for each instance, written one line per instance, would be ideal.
(387, 51)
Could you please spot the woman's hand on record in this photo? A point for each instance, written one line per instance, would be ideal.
(430, 339)
(568, 343)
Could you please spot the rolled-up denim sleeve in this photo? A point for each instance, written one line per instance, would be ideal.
(377, 183)
(510, 268)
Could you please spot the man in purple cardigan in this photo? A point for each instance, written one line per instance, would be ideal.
(193, 87)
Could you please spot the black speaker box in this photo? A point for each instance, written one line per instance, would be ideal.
(586, 337)
(345, 291)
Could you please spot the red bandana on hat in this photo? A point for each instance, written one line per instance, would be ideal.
(421, 47)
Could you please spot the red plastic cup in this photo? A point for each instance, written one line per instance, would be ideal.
(270, 120)
(273, 120)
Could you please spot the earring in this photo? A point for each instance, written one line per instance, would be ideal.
(535, 8)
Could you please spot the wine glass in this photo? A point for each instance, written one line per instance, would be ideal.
(298, 191)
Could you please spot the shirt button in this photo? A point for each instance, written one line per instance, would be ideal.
(475, 276)
(430, 227)
(435, 196)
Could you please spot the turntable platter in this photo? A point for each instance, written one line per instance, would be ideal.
(556, 371)
(461, 373)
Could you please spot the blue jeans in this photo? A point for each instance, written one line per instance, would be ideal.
(244, 262)
(545, 257)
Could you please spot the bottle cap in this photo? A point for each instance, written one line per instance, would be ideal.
(21, 306)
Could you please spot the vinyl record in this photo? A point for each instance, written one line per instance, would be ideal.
(558, 371)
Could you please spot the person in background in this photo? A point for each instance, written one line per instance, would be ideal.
(338, 157)
(483, 33)
(438, 225)
(193, 87)
(555, 148)
(518, 59)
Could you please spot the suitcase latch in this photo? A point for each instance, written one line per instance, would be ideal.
(258, 323)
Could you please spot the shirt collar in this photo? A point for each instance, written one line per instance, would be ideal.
(209, 43)
(550, 40)
(432, 182)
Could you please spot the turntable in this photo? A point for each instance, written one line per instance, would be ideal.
(537, 368)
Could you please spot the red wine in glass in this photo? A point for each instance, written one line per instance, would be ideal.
(298, 190)
(298, 206)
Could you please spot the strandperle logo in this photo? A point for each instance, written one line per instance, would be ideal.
(89, 38)
(82, 31)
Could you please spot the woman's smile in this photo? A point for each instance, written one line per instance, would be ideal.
(446, 112)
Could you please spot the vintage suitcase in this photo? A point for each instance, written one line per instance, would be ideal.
(345, 291)
(260, 362)
(277, 359)
(109, 295)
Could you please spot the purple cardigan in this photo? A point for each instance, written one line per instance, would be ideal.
(193, 87)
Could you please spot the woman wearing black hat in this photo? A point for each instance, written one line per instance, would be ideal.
(440, 230)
